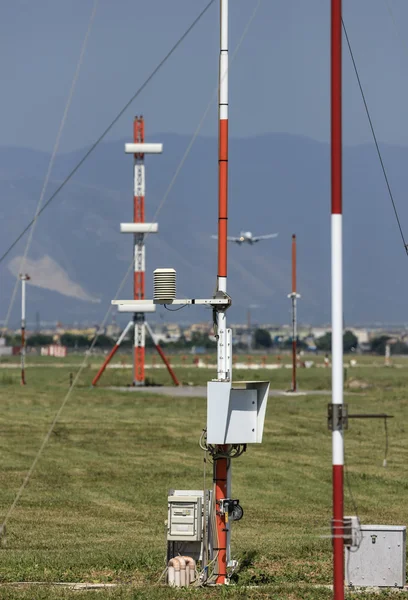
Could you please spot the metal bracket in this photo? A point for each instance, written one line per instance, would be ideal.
(351, 531)
(371, 416)
(337, 417)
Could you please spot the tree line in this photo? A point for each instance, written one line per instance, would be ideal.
(262, 340)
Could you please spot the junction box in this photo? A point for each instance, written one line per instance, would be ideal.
(380, 558)
(188, 523)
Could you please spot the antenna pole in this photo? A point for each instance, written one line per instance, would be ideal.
(222, 470)
(337, 295)
(139, 255)
(294, 297)
(23, 279)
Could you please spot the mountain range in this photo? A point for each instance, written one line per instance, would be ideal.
(278, 183)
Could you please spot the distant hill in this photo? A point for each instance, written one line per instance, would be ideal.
(278, 183)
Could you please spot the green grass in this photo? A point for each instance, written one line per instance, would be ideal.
(95, 506)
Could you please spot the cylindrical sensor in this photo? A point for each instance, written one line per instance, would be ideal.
(164, 285)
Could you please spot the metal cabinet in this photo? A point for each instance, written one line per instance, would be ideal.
(379, 560)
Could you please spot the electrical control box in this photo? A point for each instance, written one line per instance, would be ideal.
(184, 518)
(188, 525)
(379, 560)
(236, 413)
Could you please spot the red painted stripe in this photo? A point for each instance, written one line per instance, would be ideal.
(222, 198)
(220, 482)
(336, 108)
(139, 363)
(338, 542)
(139, 285)
(138, 209)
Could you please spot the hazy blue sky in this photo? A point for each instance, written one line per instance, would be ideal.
(279, 80)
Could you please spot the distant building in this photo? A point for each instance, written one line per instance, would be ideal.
(54, 350)
(318, 332)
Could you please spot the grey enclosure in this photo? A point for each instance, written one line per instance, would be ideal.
(380, 559)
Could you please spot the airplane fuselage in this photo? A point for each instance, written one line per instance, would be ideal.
(245, 237)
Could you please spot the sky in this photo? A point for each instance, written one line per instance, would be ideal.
(279, 80)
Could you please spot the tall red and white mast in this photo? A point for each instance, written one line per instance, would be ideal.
(139, 228)
(337, 297)
(222, 472)
(139, 255)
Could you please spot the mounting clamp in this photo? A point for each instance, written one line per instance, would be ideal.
(337, 417)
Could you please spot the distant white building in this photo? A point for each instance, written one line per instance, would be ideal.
(362, 335)
(318, 332)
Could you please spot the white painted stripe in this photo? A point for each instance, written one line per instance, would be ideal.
(222, 284)
(338, 448)
(139, 180)
(223, 110)
(337, 330)
(139, 259)
(23, 300)
(139, 340)
(337, 309)
(222, 346)
(223, 78)
(224, 24)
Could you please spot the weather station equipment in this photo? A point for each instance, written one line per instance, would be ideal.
(235, 413)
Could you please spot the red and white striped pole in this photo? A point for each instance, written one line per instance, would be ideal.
(139, 255)
(222, 471)
(112, 353)
(294, 296)
(337, 295)
(24, 279)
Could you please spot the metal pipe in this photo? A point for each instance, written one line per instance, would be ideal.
(337, 294)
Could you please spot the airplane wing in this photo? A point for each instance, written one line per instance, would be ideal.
(268, 236)
(229, 238)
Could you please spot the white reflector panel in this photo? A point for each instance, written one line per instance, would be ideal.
(131, 308)
(143, 148)
(139, 227)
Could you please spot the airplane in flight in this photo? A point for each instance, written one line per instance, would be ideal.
(246, 237)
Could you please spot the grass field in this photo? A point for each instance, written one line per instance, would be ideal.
(95, 506)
